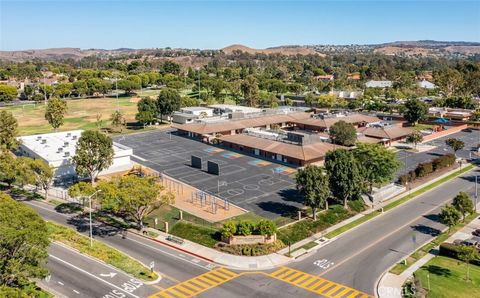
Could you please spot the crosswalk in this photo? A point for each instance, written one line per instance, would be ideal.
(198, 284)
(316, 284)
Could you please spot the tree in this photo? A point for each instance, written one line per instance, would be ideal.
(377, 163)
(168, 101)
(415, 138)
(135, 196)
(81, 191)
(147, 110)
(43, 175)
(463, 204)
(449, 216)
(63, 89)
(55, 112)
(344, 175)
(415, 110)
(343, 133)
(455, 144)
(249, 88)
(23, 171)
(467, 254)
(170, 67)
(117, 119)
(94, 153)
(313, 183)
(7, 92)
(8, 131)
(8, 171)
(24, 242)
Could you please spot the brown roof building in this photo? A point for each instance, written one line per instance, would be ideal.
(292, 153)
(358, 120)
(385, 135)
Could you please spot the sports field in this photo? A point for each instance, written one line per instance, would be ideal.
(82, 113)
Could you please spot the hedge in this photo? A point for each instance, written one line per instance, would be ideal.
(451, 250)
(426, 168)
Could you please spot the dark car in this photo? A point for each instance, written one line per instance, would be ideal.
(476, 232)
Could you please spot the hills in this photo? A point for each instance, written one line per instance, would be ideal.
(422, 48)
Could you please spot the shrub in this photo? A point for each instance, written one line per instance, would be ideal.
(247, 251)
(403, 179)
(245, 228)
(229, 229)
(424, 169)
(451, 250)
(266, 227)
(412, 175)
(356, 206)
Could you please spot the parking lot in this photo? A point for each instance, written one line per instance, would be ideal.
(263, 187)
(470, 138)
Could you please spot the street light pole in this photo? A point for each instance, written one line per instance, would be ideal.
(90, 215)
(476, 192)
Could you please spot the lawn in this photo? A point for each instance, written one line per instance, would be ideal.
(81, 114)
(447, 278)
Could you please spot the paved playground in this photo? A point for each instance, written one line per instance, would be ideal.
(263, 187)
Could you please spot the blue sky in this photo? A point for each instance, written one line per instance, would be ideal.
(215, 24)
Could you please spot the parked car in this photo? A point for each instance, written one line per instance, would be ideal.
(470, 242)
(476, 232)
(457, 241)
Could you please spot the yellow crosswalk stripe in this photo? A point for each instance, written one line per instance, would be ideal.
(198, 284)
(326, 286)
(343, 292)
(276, 273)
(332, 290)
(300, 280)
(354, 294)
(286, 273)
(292, 277)
(315, 284)
(176, 293)
(184, 289)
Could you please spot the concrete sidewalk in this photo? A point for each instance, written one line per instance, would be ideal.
(390, 285)
(228, 260)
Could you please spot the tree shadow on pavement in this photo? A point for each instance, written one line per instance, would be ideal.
(280, 209)
(426, 230)
(68, 208)
(82, 225)
(432, 217)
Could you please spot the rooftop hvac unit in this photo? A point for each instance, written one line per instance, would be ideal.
(39, 138)
(60, 150)
(65, 144)
(44, 141)
(74, 137)
(69, 134)
(66, 154)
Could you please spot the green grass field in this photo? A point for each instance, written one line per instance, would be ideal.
(447, 278)
(81, 114)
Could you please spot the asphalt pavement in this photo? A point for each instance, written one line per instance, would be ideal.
(73, 274)
(359, 257)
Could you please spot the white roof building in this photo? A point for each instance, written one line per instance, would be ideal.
(57, 150)
(224, 108)
(378, 84)
(426, 84)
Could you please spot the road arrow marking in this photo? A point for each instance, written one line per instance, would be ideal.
(111, 274)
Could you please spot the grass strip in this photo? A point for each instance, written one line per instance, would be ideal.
(422, 251)
(100, 251)
(394, 204)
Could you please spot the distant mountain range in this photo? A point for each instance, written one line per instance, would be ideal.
(429, 48)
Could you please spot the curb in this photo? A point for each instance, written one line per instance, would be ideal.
(174, 247)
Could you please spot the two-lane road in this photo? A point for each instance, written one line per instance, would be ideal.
(359, 257)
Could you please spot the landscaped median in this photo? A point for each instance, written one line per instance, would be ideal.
(100, 251)
(394, 204)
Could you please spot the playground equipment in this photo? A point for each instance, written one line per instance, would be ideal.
(206, 199)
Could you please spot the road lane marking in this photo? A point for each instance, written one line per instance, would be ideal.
(61, 283)
(92, 275)
(313, 283)
(379, 240)
(198, 284)
(76, 292)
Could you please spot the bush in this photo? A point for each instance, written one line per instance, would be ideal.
(229, 229)
(266, 227)
(356, 206)
(424, 169)
(451, 250)
(246, 251)
(245, 228)
(259, 249)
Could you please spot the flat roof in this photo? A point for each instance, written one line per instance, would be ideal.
(327, 122)
(305, 152)
(196, 109)
(235, 108)
(47, 145)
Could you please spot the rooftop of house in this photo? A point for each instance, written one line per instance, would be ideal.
(326, 122)
(385, 132)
